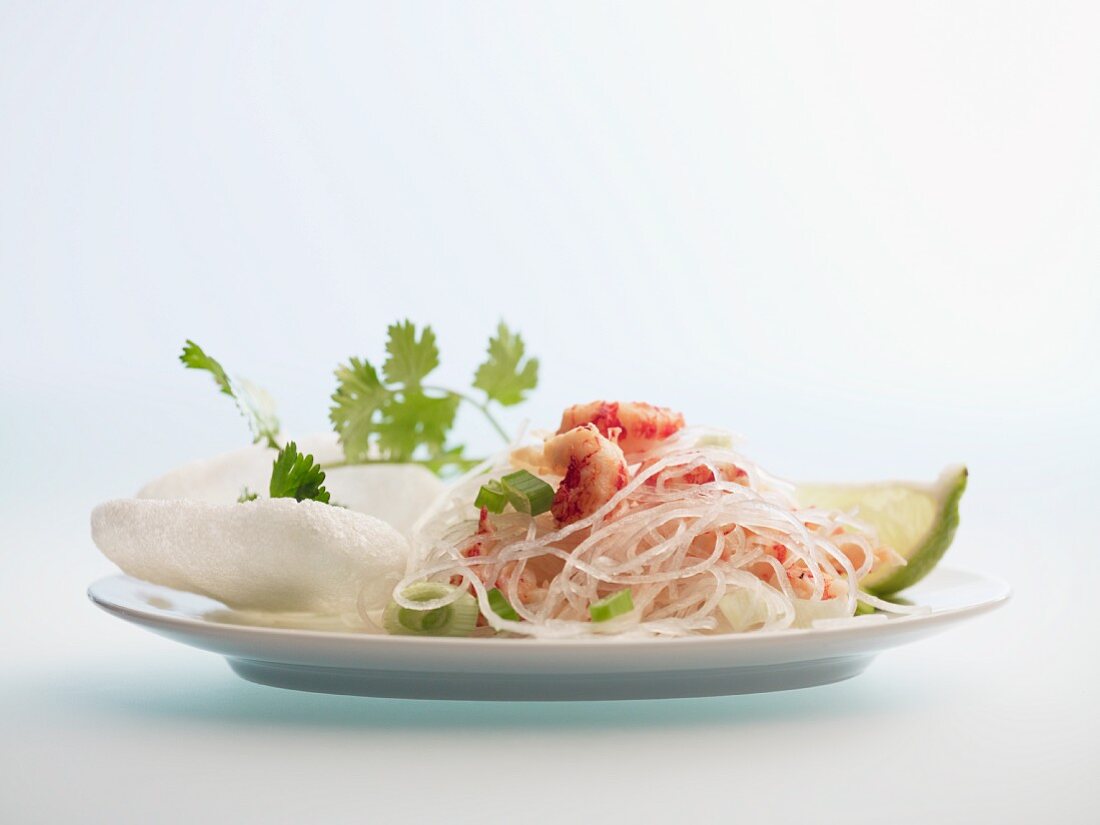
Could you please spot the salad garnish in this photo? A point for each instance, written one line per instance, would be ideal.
(396, 417)
(527, 493)
(297, 476)
(392, 417)
(456, 617)
(254, 403)
(609, 607)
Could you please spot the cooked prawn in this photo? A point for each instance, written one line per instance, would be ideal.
(699, 475)
(482, 538)
(639, 426)
(483, 543)
(594, 469)
(802, 582)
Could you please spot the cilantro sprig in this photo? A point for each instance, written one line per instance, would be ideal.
(397, 417)
(296, 476)
(254, 403)
(506, 375)
(391, 415)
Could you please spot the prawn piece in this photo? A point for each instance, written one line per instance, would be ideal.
(856, 550)
(763, 570)
(799, 575)
(527, 587)
(481, 543)
(481, 538)
(594, 469)
(640, 426)
(802, 582)
(699, 475)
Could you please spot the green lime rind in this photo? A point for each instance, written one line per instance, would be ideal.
(931, 549)
(918, 521)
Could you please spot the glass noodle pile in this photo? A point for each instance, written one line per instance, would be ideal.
(651, 529)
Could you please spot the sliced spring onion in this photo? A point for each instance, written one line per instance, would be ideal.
(501, 606)
(528, 493)
(611, 606)
(459, 618)
(492, 497)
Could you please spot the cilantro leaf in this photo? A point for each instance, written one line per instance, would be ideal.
(412, 419)
(258, 408)
(254, 403)
(194, 358)
(294, 475)
(359, 395)
(389, 415)
(451, 458)
(409, 359)
(506, 376)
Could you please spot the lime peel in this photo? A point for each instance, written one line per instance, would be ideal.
(916, 520)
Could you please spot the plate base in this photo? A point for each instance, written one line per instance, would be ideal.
(541, 688)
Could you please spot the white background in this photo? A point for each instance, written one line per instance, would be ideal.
(864, 235)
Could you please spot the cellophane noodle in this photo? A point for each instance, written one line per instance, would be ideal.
(680, 548)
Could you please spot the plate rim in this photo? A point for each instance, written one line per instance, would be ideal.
(98, 592)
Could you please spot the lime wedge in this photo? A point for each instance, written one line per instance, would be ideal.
(916, 520)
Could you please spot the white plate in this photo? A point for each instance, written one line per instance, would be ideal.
(331, 661)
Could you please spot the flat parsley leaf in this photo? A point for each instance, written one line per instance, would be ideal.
(257, 407)
(359, 395)
(294, 475)
(505, 376)
(409, 359)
